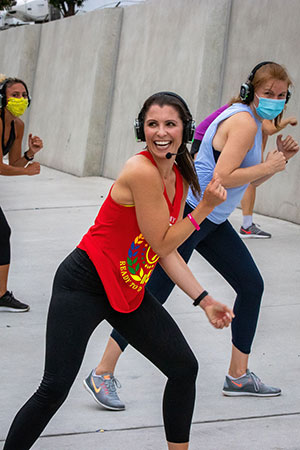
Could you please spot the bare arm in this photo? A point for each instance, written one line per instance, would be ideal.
(15, 157)
(239, 138)
(151, 217)
(269, 128)
(142, 183)
(17, 163)
(288, 147)
(35, 144)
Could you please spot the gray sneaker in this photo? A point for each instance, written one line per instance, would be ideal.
(103, 389)
(249, 384)
(254, 232)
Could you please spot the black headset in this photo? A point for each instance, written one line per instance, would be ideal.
(3, 86)
(189, 127)
(247, 89)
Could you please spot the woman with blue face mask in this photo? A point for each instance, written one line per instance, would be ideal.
(14, 100)
(232, 148)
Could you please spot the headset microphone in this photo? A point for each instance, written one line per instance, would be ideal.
(169, 154)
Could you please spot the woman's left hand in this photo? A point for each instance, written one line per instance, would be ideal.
(215, 193)
(288, 146)
(35, 144)
(218, 314)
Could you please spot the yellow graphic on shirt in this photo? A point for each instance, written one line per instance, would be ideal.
(139, 264)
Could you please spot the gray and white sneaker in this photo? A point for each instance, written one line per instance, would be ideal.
(103, 389)
(249, 384)
(254, 232)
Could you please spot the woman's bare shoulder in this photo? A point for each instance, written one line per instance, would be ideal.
(140, 167)
(243, 118)
(19, 127)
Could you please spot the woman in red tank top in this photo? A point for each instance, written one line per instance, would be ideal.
(139, 223)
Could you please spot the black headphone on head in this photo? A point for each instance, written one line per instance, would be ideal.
(189, 126)
(247, 89)
(3, 86)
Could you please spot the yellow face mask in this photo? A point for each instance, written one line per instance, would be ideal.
(17, 106)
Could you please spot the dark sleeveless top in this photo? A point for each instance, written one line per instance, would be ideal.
(12, 136)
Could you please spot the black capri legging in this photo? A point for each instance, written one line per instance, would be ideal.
(4, 240)
(79, 303)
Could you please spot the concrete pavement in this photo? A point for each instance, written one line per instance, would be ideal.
(48, 215)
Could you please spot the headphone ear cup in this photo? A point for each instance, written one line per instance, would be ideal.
(139, 130)
(2, 95)
(189, 131)
(247, 92)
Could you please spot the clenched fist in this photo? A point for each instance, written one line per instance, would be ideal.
(33, 168)
(215, 193)
(288, 146)
(276, 161)
(35, 143)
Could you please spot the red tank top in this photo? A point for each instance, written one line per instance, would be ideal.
(122, 257)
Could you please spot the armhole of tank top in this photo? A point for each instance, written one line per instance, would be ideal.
(216, 154)
(119, 204)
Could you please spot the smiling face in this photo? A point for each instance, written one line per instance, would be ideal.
(163, 129)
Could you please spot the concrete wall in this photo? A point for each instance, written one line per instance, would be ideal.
(268, 32)
(73, 90)
(90, 74)
(19, 50)
(164, 46)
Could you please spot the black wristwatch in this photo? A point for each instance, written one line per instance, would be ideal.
(27, 157)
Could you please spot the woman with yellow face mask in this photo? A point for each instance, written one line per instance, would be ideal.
(14, 100)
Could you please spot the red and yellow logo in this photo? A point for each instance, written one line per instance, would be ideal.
(139, 264)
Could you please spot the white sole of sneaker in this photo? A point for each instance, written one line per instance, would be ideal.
(7, 309)
(248, 394)
(253, 236)
(96, 399)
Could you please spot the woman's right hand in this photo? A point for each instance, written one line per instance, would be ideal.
(215, 193)
(218, 314)
(276, 161)
(33, 168)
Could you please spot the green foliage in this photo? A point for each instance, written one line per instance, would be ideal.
(5, 4)
(66, 7)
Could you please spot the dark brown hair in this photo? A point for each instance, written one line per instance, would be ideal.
(183, 159)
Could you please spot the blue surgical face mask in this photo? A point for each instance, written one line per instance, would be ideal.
(269, 108)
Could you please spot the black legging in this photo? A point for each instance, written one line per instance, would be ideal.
(222, 247)
(4, 240)
(79, 303)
